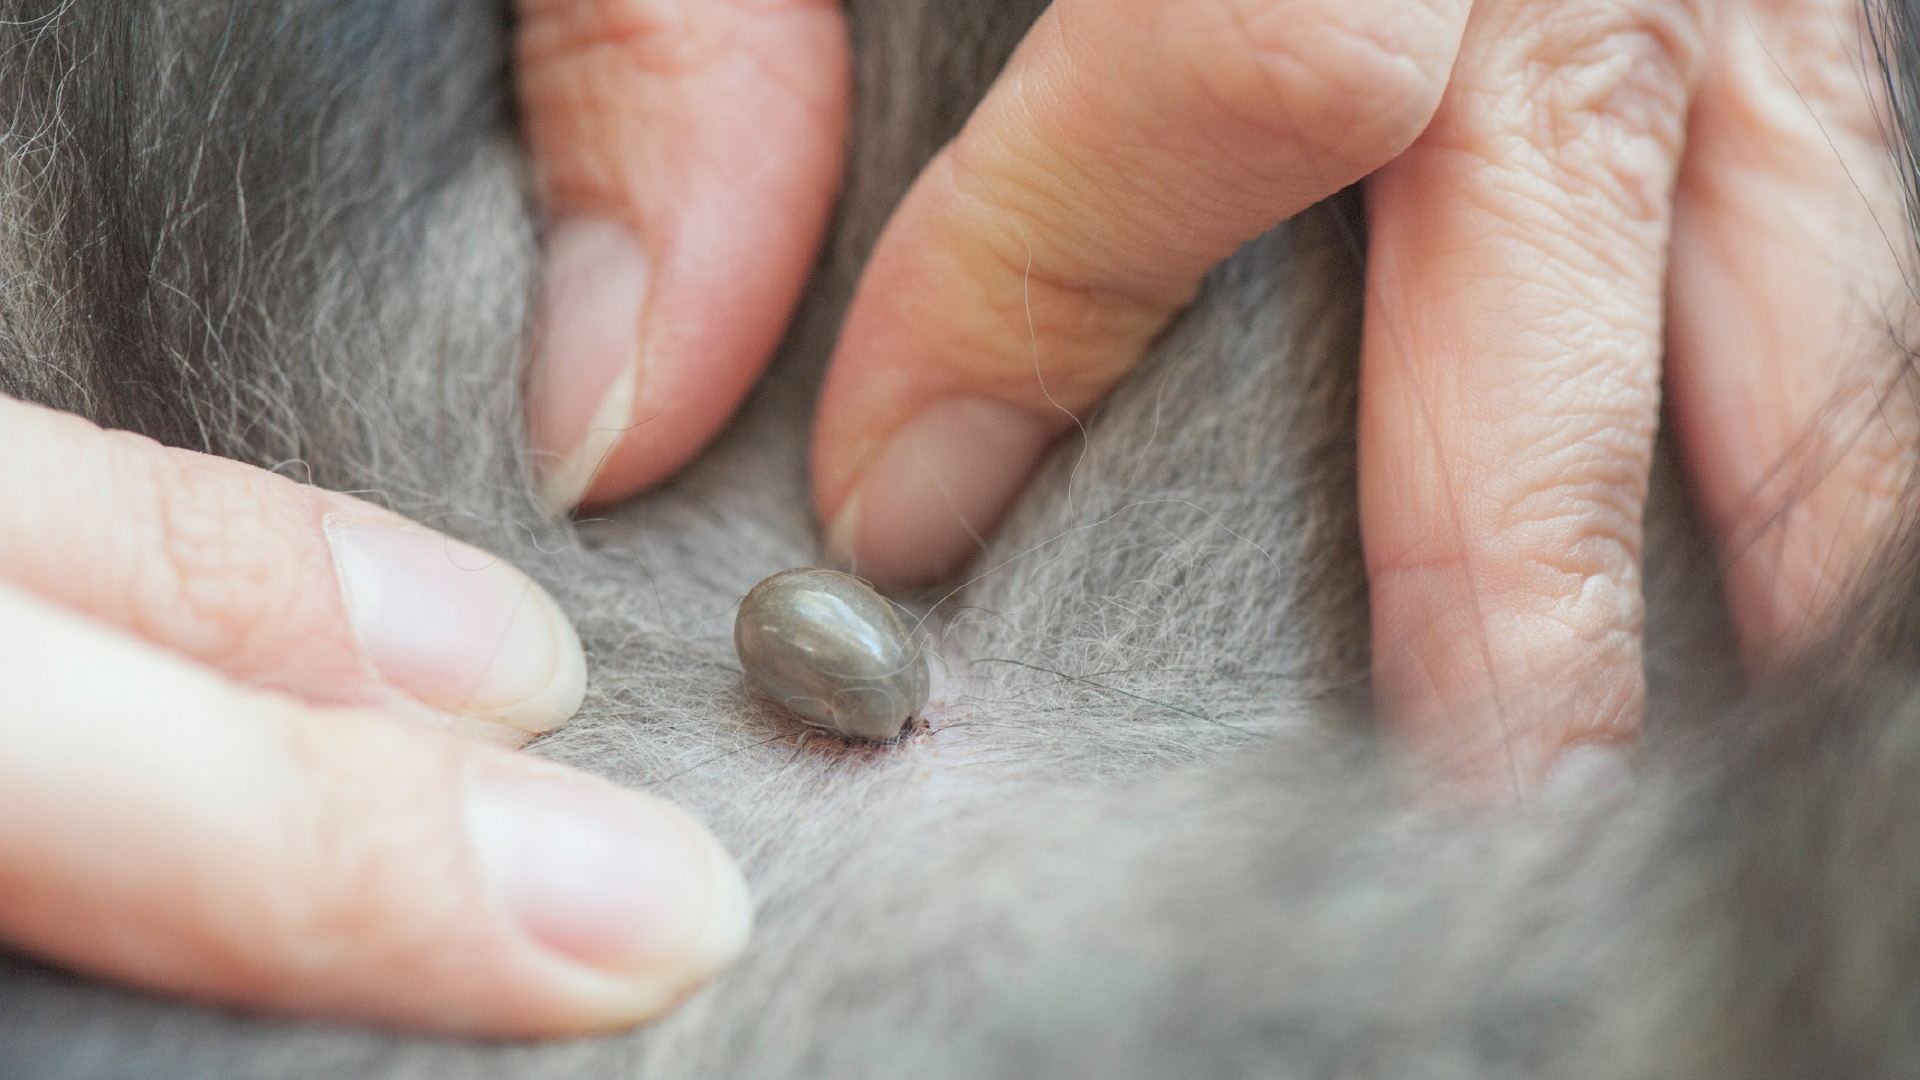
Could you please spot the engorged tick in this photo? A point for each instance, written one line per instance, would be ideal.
(828, 647)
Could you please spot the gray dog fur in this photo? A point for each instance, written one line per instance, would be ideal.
(1146, 831)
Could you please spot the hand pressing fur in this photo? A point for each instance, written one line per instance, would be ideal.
(1535, 161)
(220, 778)
(1564, 201)
(314, 842)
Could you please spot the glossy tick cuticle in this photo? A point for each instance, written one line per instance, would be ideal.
(828, 647)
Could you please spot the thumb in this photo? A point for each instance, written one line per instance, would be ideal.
(1128, 148)
(688, 152)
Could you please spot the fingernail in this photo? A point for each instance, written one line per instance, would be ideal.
(458, 629)
(937, 491)
(610, 879)
(586, 367)
(1586, 770)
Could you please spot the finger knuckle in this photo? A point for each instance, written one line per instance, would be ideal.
(1598, 100)
(1569, 528)
(206, 581)
(1350, 82)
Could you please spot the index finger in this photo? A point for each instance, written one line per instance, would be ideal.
(279, 584)
(687, 152)
(1129, 147)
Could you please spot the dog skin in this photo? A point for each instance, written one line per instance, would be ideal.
(1145, 828)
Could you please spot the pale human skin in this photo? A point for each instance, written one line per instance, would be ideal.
(1551, 188)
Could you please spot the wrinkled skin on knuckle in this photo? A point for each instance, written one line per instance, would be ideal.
(581, 71)
(1587, 683)
(1558, 618)
(603, 85)
(1585, 648)
(1590, 98)
(1537, 647)
(1355, 83)
(1564, 528)
(207, 569)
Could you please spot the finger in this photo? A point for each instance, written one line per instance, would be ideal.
(1510, 385)
(278, 584)
(687, 153)
(1129, 146)
(161, 827)
(1784, 284)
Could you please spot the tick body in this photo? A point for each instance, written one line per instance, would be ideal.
(834, 651)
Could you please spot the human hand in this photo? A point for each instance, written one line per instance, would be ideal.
(221, 777)
(687, 154)
(1557, 185)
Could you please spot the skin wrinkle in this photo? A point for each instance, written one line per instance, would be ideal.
(567, 77)
(205, 589)
(1433, 681)
(1019, 202)
(1589, 85)
(1511, 153)
(663, 37)
(1525, 207)
(999, 202)
(1083, 314)
(1023, 204)
(1828, 68)
(209, 542)
(1389, 86)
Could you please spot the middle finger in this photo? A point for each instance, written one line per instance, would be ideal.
(1510, 384)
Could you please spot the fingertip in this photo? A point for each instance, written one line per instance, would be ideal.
(641, 356)
(457, 629)
(627, 887)
(937, 490)
(585, 369)
(635, 117)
